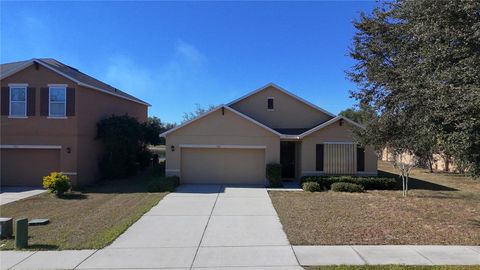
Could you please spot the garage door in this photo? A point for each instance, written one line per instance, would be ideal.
(222, 166)
(26, 167)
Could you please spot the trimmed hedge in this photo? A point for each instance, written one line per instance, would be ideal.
(163, 184)
(346, 187)
(369, 183)
(311, 186)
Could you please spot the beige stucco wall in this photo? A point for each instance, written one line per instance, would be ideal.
(288, 112)
(332, 133)
(218, 129)
(76, 132)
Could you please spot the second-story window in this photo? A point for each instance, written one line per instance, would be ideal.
(18, 101)
(57, 101)
(270, 103)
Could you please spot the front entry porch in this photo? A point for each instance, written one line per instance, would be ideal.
(290, 159)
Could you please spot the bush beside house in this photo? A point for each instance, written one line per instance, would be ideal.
(274, 174)
(367, 183)
(57, 183)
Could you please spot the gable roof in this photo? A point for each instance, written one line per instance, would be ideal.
(68, 72)
(214, 110)
(329, 122)
(285, 92)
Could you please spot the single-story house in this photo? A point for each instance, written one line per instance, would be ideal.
(232, 143)
(49, 115)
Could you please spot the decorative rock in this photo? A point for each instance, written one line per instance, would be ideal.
(6, 228)
(38, 222)
(21, 233)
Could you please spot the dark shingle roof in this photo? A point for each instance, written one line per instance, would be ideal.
(69, 71)
(291, 131)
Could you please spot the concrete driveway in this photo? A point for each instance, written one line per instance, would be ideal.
(203, 226)
(12, 194)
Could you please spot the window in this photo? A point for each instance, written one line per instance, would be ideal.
(18, 101)
(319, 157)
(57, 101)
(270, 103)
(360, 159)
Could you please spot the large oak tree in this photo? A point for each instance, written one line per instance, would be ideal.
(417, 63)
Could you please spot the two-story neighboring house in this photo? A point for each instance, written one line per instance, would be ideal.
(234, 142)
(49, 113)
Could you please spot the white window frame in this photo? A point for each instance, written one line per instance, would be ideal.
(64, 86)
(273, 99)
(24, 86)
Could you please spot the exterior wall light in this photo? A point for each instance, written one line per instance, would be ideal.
(172, 148)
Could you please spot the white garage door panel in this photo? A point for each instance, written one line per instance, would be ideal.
(222, 166)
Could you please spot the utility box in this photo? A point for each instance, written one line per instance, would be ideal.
(21, 233)
(6, 228)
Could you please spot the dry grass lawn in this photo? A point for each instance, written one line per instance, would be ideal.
(441, 209)
(89, 219)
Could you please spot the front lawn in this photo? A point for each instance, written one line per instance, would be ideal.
(396, 267)
(89, 219)
(441, 209)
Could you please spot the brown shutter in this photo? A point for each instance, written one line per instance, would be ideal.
(31, 101)
(360, 159)
(5, 101)
(44, 101)
(70, 101)
(319, 157)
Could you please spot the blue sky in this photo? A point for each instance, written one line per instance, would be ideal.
(177, 54)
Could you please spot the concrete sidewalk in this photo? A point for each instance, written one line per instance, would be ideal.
(306, 255)
(377, 255)
(12, 194)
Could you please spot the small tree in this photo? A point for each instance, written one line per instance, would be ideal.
(404, 164)
(199, 110)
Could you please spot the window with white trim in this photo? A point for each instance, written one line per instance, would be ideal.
(57, 101)
(18, 101)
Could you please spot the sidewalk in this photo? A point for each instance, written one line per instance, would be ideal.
(373, 255)
(306, 255)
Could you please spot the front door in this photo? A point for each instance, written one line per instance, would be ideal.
(287, 159)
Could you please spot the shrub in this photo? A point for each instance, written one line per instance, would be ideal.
(158, 169)
(57, 183)
(163, 184)
(144, 158)
(369, 183)
(274, 174)
(346, 187)
(311, 186)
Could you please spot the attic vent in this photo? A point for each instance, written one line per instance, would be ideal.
(270, 103)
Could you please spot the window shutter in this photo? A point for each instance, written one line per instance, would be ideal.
(44, 101)
(31, 101)
(5, 101)
(70, 101)
(360, 159)
(319, 157)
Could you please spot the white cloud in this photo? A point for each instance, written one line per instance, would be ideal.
(124, 74)
(179, 72)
